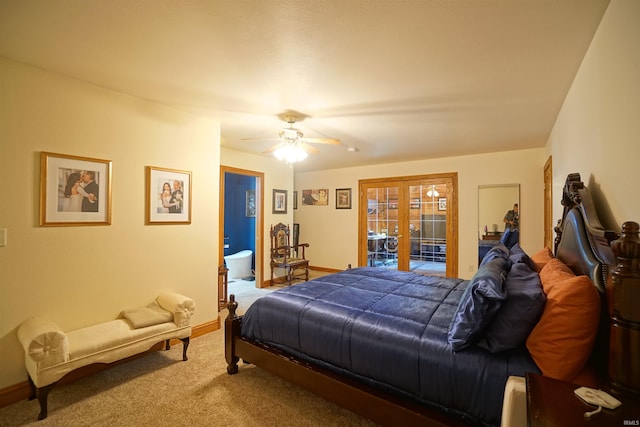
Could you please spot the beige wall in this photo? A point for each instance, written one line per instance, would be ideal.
(333, 234)
(597, 132)
(78, 276)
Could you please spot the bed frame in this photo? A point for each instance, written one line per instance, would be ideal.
(582, 243)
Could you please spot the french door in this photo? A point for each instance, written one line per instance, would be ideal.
(410, 224)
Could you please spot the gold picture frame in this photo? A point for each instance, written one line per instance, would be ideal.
(168, 198)
(74, 190)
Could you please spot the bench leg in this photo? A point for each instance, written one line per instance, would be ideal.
(42, 394)
(185, 345)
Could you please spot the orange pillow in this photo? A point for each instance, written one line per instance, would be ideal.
(542, 257)
(554, 271)
(561, 342)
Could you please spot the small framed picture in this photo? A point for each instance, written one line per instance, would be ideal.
(343, 198)
(279, 201)
(295, 200)
(442, 204)
(74, 190)
(168, 196)
(250, 209)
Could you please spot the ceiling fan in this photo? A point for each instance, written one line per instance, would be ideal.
(293, 146)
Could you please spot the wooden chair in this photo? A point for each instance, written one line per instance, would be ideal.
(288, 257)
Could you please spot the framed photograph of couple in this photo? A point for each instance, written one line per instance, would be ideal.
(168, 196)
(74, 190)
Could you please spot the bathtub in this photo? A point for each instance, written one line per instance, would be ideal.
(239, 264)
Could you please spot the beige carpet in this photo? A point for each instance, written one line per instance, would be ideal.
(160, 389)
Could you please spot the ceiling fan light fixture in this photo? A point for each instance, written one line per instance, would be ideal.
(290, 153)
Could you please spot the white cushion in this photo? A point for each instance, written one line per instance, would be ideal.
(147, 316)
(107, 335)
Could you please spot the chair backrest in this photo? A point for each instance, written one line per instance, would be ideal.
(280, 245)
(391, 244)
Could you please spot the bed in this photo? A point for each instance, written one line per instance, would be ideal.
(403, 348)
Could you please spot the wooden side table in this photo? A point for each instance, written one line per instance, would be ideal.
(492, 236)
(552, 403)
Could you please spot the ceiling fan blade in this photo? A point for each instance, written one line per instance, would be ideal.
(309, 149)
(274, 148)
(259, 139)
(334, 141)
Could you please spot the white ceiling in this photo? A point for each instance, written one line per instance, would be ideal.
(398, 79)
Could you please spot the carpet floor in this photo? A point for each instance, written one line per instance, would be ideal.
(160, 389)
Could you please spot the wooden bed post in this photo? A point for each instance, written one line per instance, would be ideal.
(624, 310)
(231, 330)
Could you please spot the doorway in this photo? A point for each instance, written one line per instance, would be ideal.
(243, 203)
(410, 223)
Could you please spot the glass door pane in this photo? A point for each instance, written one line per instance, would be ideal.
(382, 226)
(428, 228)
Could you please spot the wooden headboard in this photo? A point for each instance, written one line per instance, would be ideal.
(612, 262)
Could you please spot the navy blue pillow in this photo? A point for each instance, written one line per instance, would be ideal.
(517, 254)
(498, 251)
(519, 313)
(479, 303)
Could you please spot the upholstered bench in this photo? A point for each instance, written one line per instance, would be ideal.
(51, 353)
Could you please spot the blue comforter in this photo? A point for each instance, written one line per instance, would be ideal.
(389, 328)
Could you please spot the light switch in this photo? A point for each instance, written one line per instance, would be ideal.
(3, 237)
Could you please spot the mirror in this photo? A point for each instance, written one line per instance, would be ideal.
(494, 202)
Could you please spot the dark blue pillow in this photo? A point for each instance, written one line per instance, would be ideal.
(479, 303)
(498, 251)
(517, 254)
(518, 314)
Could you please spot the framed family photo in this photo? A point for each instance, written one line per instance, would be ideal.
(279, 201)
(74, 190)
(168, 196)
(343, 198)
